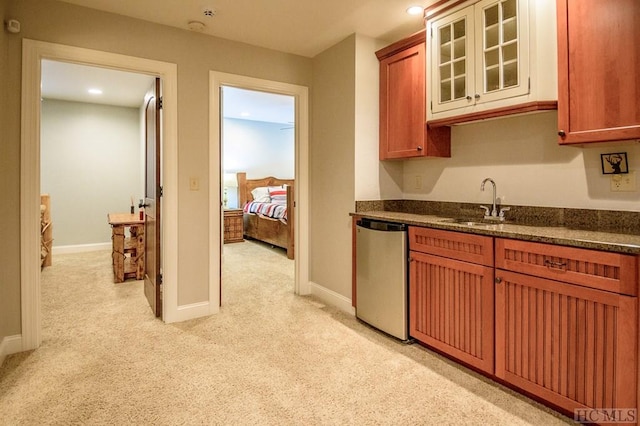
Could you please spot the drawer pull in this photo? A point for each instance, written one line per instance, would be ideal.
(555, 265)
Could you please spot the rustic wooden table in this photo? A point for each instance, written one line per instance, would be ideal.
(127, 235)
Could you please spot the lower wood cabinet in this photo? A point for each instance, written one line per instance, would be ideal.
(571, 345)
(451, 308)
(560, 323)
(451, 298)
(567, 324)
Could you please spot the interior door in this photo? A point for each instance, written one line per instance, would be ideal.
(152, 256)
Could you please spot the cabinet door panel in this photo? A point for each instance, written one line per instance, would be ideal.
(402, 129)
(453, 61)
(573, 346)
(598, 70)
(451, 308)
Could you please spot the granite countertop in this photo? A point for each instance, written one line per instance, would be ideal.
(607, 241)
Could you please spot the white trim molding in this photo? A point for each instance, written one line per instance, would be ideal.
(301, 189)
(10, 345)
(33, 52)
(80, 248)
(332, 298)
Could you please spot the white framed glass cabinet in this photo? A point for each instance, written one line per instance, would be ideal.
(479, 56)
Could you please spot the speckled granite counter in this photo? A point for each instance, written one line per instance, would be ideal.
(608, 241)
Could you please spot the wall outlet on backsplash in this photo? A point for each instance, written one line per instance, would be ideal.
(624, 182)
(417, 182)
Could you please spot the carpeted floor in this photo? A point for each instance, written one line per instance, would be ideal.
(268, 358)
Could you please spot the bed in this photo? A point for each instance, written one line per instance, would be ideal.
(267, 206)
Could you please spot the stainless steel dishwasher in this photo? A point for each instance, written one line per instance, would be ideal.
(381, 276)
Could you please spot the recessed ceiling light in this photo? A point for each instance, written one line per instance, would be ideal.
(415, 10)
(95, 91)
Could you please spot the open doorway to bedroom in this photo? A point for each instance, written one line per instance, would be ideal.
(258, 164)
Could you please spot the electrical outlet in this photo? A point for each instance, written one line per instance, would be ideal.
(417, 183)
(194, 184)
(624, 182)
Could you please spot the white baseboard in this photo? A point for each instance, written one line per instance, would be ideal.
(80, 248)
(332, 298)
(10, 345)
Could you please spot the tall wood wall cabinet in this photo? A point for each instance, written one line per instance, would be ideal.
(598, 70)
(403, 129)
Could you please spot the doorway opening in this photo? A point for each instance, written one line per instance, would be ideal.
(299, 94)
(34, 52)
(258, 181)
(92, 166)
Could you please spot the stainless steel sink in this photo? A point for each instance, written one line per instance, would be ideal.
(470, 222)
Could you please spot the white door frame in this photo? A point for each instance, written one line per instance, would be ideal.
(33, 52)
(301, 188)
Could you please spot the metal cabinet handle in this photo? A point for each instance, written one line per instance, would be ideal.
(419, 148)
(468, 97)
(477, 96)
(561, 133)
(555, 265)
(498, 280)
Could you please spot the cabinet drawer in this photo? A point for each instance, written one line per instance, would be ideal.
(455, 245)
(613, 272)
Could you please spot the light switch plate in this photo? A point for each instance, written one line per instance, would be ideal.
(194, 184)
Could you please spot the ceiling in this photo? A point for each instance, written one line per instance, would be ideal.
(71, 82)
(301, 27)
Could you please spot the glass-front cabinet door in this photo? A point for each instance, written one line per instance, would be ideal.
(501, 40)
(453, 55)
(478, 54)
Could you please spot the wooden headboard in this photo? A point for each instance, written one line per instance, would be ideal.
(245, 186)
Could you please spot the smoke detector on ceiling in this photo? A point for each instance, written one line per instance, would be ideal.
(209, 13)
(196, 26)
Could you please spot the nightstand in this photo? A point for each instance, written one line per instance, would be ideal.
(233, 226)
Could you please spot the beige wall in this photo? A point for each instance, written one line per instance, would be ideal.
(195, 54)
(523, 156)
(374, 180)
(331, 158)
(9, 195)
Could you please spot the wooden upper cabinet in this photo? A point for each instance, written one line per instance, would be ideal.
(403, 130)
(598, 70)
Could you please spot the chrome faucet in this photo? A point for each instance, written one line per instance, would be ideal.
(494, 211)
(493, 214)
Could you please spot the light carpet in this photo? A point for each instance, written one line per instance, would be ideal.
(268, 358)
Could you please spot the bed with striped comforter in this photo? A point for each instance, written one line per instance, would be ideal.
(267, 210)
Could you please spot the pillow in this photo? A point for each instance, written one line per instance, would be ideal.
(261, 195)
(278, 195)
